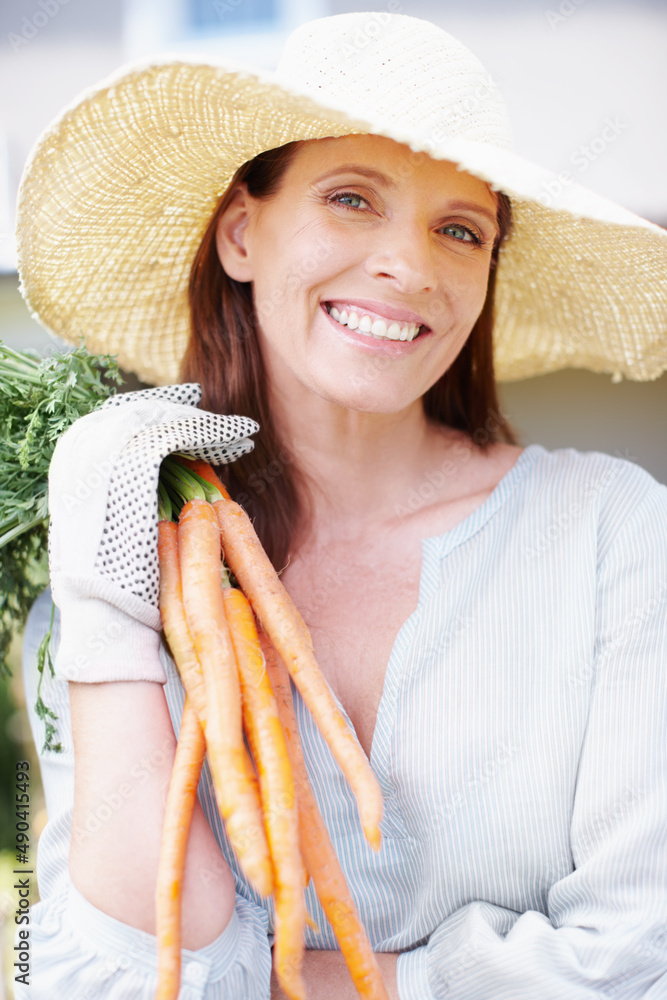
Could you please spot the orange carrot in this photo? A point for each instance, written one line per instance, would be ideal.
(174, 622)
(181, 798)
(318, 851)
(236, 789)
(275, 610)
(206, 472)
(267, 743)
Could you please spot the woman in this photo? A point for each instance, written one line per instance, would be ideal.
(495, 640)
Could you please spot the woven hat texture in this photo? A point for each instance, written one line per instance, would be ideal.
(119, 189)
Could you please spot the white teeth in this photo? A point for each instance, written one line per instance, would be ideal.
(379, 328)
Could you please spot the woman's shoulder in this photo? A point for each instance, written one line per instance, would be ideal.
(615, 486)
(509, 486)
(570, 464)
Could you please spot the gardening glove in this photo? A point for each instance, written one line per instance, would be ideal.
(103, 503)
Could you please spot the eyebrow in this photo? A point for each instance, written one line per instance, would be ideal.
(376, 175)
(473, 206)
(356, 169)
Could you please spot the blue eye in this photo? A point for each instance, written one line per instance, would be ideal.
(467, 235)
(348, 198)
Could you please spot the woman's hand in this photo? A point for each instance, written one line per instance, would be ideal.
(326, 976)
(103, 533)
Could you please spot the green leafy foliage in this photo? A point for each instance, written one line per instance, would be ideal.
(39, 400)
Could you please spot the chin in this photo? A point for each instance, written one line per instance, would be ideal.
(364, 399)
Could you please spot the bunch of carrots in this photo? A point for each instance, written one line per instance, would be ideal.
(236, 683)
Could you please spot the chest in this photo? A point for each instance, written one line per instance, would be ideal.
(354, 610)
(355, 597)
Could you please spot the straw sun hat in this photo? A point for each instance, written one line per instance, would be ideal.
(118, 191)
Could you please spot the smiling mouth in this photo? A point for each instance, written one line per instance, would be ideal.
(378, 329)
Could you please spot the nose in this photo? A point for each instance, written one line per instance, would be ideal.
(403, 256)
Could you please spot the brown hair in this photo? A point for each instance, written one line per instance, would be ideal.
(224, 355)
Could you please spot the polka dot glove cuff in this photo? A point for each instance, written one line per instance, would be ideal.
(103, 531)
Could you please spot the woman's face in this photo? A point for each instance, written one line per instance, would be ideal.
(369, 268)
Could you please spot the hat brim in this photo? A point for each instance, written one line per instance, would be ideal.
(119, 189)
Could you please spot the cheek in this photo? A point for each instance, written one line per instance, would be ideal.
(465, 288)
(458, 305)
(297, 267)
(267, 299)
(277, 278)
(304, 279)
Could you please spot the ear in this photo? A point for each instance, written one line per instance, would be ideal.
(230, 239)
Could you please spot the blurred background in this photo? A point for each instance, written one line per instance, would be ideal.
(564, 67)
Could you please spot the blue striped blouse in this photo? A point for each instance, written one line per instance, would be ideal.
(521, 749)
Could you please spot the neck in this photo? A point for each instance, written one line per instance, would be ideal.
(358, 467)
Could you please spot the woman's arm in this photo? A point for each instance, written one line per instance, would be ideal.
(79, 949)
(124, 747)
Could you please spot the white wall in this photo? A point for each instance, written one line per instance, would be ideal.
(50, 50)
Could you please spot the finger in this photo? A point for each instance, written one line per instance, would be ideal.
(214, 437)
(187, 393)
(217, 454)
